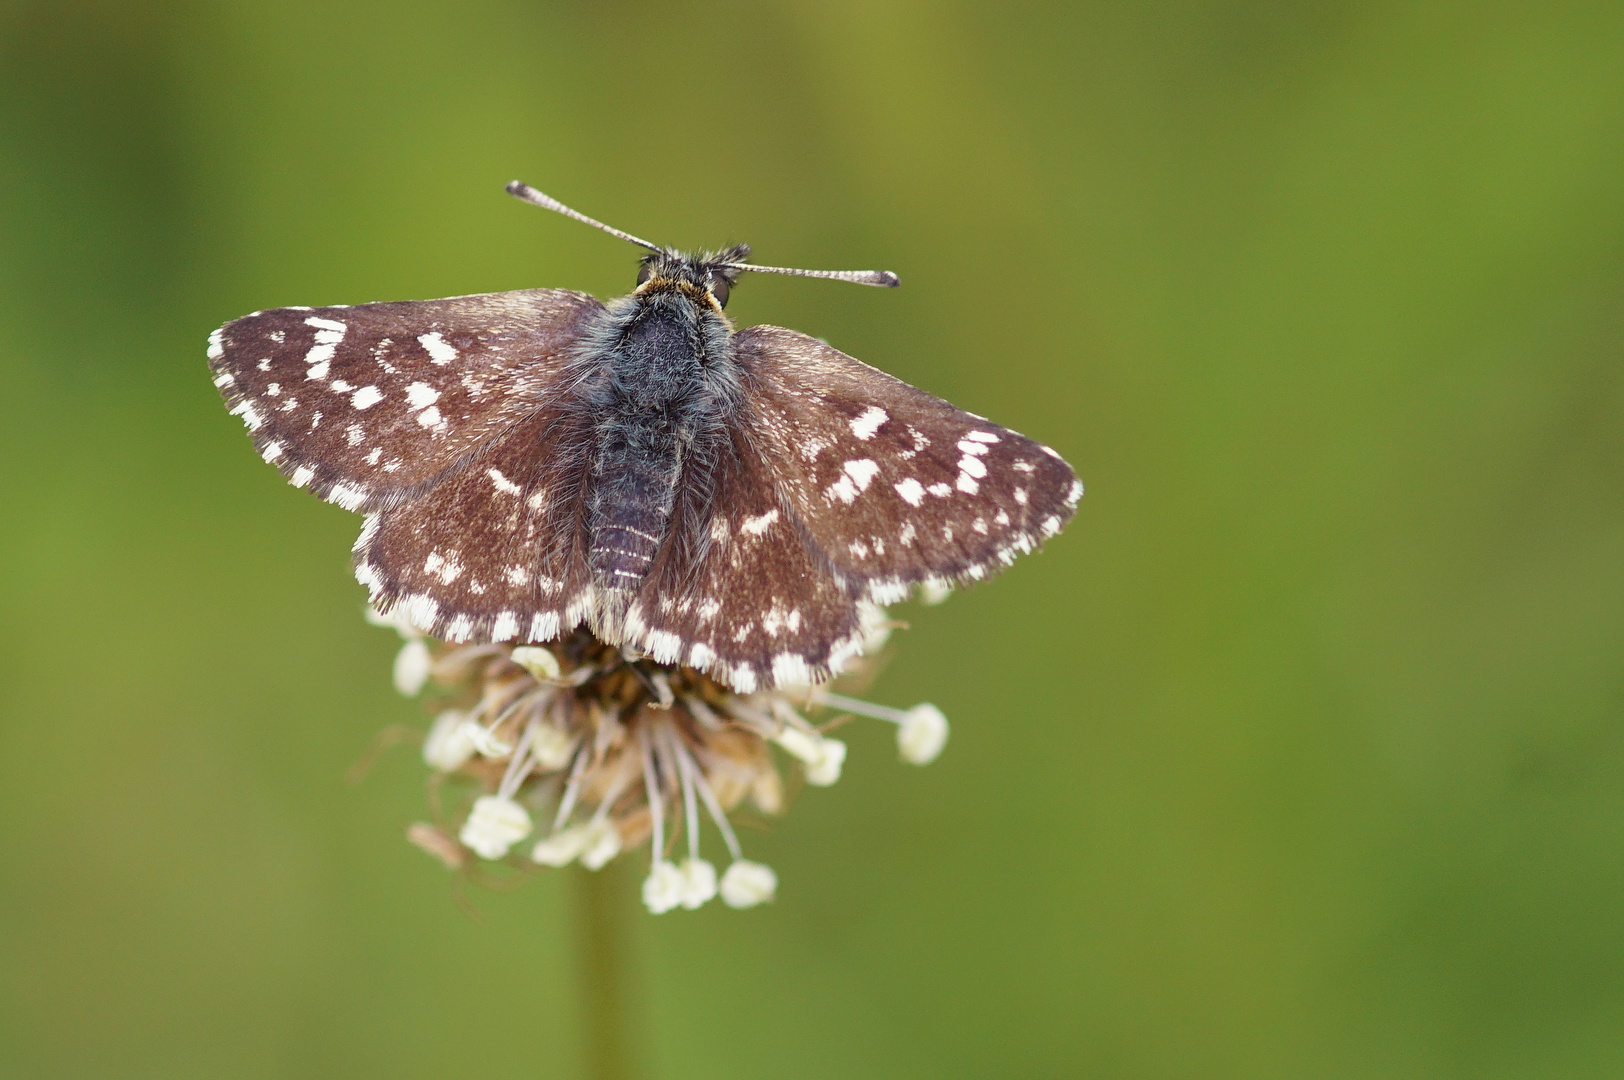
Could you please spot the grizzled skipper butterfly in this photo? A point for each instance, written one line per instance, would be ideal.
(531, 461)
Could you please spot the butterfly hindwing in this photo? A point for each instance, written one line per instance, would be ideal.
(737, 590)
(892, 485)
(495, 551)
(364, 404)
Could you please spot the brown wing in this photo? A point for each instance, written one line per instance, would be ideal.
(495, 551)
(366, 404)
(891, 485)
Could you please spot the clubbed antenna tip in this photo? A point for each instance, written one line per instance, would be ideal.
(884, 279)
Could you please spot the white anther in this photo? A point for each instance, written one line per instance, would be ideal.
(799, 743)
(602, 843)
(823, 757)
(933, 592)
(448, 745)
(412, 667)
(747, 884)
(922, 734)
(552, 747)
(698, 882)
(561, 848)
(538, 661)
(494, 825)
(486, 744)
(663, 888)
(826, 770)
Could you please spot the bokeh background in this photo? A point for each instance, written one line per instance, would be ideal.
(1301, 753)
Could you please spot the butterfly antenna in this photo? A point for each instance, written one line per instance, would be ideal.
(885, 279)
(520, 190)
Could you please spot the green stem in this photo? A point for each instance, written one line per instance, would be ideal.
(603, 944)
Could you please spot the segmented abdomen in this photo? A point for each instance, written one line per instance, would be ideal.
(631, 508)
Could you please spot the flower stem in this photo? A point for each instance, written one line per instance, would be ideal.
(603, 943)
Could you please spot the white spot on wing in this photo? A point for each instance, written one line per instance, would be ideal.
(854, 480)
(447, 568)
(866, 425)
(217, 347)
(755, 526)
(429, 417)
(503, 484)
(439, 351)
(420, 611)
(369, 529)
(348, 496)
(664, 646)
(506, 627)
(249, 414)
(791, 670)
(318, 358)
(421, 395)
(302, 476)
(366, 397)
(912, 492)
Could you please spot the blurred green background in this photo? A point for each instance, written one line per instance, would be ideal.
(1300, 754)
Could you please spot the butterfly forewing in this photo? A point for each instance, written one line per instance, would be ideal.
(892, 485)
(363, 404)
(495, 551)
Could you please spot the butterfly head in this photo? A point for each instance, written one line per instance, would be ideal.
(705, 278)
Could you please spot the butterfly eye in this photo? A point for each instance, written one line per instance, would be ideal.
(643, 273)
(718, 289)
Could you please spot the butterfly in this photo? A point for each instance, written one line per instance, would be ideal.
(530, 462)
